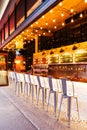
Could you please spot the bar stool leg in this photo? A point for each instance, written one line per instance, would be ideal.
(26, 87)
(48, 100)
(55, 102)
(43, 97)
(60, 107)
(77, 108)
(38, 96)
(69, 110)
(32, 92)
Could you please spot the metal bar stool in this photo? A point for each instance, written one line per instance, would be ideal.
(68, 96)
(53, 89)
(41, 86)
(27, 86)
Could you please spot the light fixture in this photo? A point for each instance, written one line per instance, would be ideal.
(46, 23)
(39, 34)
(43, 16)
(55, 27)
(22, 33)
(62, 14)
(31, 33)
(71, 10)
(43, 53)
(49, 31)
(63, 24)
(27, 30)
(60, 4)
(31, 25)
(74, 47)
(41, 28)
(61, 50)
(51, 11)
(44, 33)
(36, 22)
(85, 1)
(36, 30)
(51, 52)
(81, 15)
(54, 20)
(72, 20)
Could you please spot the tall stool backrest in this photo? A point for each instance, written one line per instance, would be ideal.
(64, 86)
(50, 83)
(38, 78)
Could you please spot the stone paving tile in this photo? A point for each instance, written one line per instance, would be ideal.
(42, 119)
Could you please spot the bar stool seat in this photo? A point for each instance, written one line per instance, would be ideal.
(68, 96)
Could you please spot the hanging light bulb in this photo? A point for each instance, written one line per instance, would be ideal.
(81, 15)
(49, 31)
(54, 20)
(63, 24)
(71, 10)
(72, 20)
(46, 23)
(62, 14)
(60, 4)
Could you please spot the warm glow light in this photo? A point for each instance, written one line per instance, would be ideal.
(85, 1)
(81, 15)
(62, 14)
(36, 22)
(41, 28)
(54, 20)
(44, 33)
(17, 61)
(71, 10)
(51, 11)
(49, 31)
(36, 30)
(46, 23)
(31, 25)
(43, 16)
(55, 27)
(81, 51)
(60, 4)
(28, 41)
(72, 20)
(31, 33)
(63, 24)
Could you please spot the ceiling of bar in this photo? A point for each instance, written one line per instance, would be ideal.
(52, 21)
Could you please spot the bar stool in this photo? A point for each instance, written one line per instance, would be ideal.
(18, 83)
(68, 96)
(53, 89)
(41, 86)
(31, 79)
(27, 86)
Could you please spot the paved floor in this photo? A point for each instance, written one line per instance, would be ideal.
(11, 117)
(19, 113)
